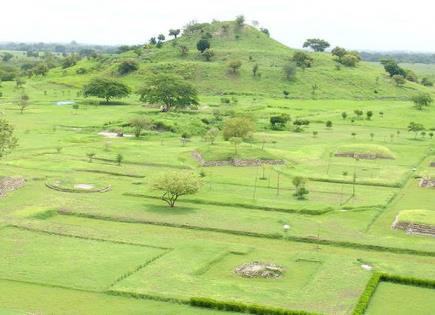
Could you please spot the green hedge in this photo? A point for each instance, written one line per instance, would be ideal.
(243, 308)
(372, 284)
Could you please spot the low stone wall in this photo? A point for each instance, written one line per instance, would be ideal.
(235, 162)
(9, 184)
(427, 183)
(363, 156)
(414, 228)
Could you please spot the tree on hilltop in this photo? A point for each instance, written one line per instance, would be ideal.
(316, 44)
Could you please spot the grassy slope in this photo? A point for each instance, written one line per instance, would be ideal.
(251, 47)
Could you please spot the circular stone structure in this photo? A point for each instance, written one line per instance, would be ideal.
(257, 269)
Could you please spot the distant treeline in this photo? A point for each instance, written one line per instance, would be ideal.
(72, 47)
(400, 57)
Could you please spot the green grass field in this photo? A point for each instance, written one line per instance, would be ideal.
(124, 251)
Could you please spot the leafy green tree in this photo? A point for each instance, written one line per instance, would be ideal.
(265, 31)
(289, 70)
(255, 68)
(175, 184)
(240, 20)
(139, 124)
(411, 76)
(302, 59)
(392, 68)
(127, 66)
(169, 90)
(422, 100)
(23, 102)
(106, 88)
(40, 68)
(234, 66)
(426, 82)
(161, 37)
(300, 190)
(369, 114)
(211, 135)
(184, 50)
(202, 45)
(7, 56)
(339, 52)
(236, 141)
(8, 141)
(328, 124)
(349, 60)
(174, 32)
(344, 115)
(316, 44)
(238, 127)
(415, 127)
(279, 122)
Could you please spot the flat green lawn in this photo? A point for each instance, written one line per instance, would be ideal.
(399, 299)
(25, 298)
(417, 216)
(67, 262)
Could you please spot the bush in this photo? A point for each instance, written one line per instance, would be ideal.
(127, 66)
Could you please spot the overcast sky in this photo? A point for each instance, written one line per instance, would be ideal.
(366, 24)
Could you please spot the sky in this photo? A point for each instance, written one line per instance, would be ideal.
(366, 25)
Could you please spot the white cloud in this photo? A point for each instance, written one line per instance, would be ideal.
(369, 24)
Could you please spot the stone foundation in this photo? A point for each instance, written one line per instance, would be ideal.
(414, 228)
(363, 156)
(235, 162)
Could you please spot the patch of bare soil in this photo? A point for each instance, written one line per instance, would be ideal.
(258, 269)
(363, 156)
(9, 184)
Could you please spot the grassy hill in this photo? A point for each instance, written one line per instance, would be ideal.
(250, 46)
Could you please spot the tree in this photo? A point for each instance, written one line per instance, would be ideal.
(286, 93)
(119, 159)
(202, 45)
(174, 32)
(152, 41)
(369, 114)
(234, 66)
(339, 52)
(328, 124)
(255, 70)
(184, 50)
(169, 90)
(161, 37)
(279, 122)
(208, 54)
(349, 60)
(316, 44)
(265, 31)
(7, 139)
(7, 56)
(127, 66)
(176, 184)
(23, 102)
(40, 68)
(392, 68)
(344, 115)
(240, 20)
(211, 134)
(236, 142)
(106, 88)
(239, 127)
(289, 70)
(422, 100)
(426, 82)
(90, 156)
(139, 124)
(411, 76)
(415, 127)
(399, 79)
(300, 190)
(302, 59)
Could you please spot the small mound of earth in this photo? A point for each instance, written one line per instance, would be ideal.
(258, 269)
(84, 186)
(9, 184)
(108, 134)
